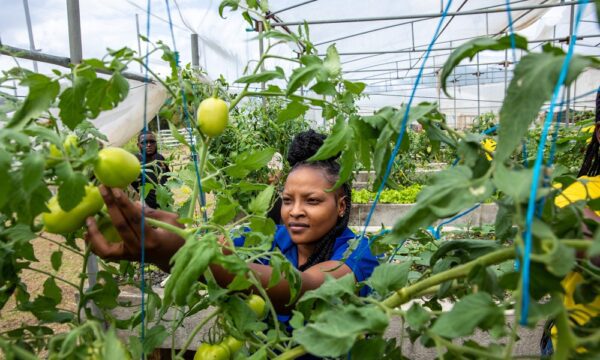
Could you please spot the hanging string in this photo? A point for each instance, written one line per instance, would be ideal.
(188, 123)
(537, 169)
(402, 129)
(143, 186)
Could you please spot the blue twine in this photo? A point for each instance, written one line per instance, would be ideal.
(143, 187)
(402, 129)
(525, 273)
(513, 43)
(436, 231)
(187, 119)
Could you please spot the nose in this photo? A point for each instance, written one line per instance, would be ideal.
(296, 209)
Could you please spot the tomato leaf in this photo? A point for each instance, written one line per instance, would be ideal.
(471, 312)
(72, 102)
(233, 4)
(112, 348)
(72, 186)
(534, 79)
(354, 87)
(389, 277)
(475, 46)
(335, 142)
(248, 161)
(56, 259)
(332, 61)
(302, 76)
(155, 336)
(417, 317)
(292, 111)
(33, 171)
(42, 92)
(262, 76)
(262, 202)
(52, 291)
(335, 330)
(225, 210)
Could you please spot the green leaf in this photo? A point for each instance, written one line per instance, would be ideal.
(534, 79)
(331, 63)
(155, 336)
(292, 111)
(6, 180)
(52, 291)
(475, 46)
(56, 259)
(331, 291)
(473, 249)
(72, 102)
(33, 171)
(354, 87)
(233, 4)
(262, 202)
(514, 183)
(334, 331)
(335, 142)
(112, 348)
(105, 292)
(346, 167)
(371, 348)
(302, 76)
(243, 318)
(471, 312)
(225, 210)
(72, 186)
(389, 277)
(262, 76)
(42, 92)
(324, 88)
(278, 35)
(417, 317)
(248, 161)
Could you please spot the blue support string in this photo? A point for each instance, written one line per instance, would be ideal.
(187, 119)
(436, 232)
(143, 187)
(537, 167)
(402, 127)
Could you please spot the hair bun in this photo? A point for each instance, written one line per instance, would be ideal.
(304, 145)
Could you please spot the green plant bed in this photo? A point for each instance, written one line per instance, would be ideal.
(407, 195)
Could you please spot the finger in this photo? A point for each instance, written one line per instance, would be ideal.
(166, 216)
(119, 219)
(98, 244)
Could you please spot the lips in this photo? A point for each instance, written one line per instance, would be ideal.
(297, 226)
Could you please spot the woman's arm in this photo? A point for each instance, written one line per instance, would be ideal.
(161, 245)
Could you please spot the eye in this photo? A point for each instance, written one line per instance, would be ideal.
(313, 201)
(286, 200)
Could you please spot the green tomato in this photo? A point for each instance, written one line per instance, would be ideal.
(58, 221)
(234, 345)
(212, 116)
(70, 144)
(55, 156)
(116, 167)
(108, 230)
(258, 305)
(207, 351)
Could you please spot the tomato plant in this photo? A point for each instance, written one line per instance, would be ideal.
(48, 171)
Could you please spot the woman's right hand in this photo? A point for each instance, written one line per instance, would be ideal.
(160, 245)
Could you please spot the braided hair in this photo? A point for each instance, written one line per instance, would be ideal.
(303, 146)
(591, 161)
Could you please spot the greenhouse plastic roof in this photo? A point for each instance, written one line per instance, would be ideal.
(226, 45)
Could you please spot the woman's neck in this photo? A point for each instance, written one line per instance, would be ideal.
(304, 252)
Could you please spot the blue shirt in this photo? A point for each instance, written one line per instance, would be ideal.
(361, 261)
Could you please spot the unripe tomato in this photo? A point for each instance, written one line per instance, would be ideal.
(70, 144)
(58, 221)
(207, 351)
(213, 115)
(108, 230)
(257, 304)
(116, 167)
(234, 345)
(55, 156)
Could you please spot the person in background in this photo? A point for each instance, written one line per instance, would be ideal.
(587, 187)
(155, 167)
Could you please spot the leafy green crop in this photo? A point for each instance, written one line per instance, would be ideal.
(405, 195)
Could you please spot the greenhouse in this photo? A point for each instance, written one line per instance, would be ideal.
(300, 179)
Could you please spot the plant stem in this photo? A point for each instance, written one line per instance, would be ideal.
(405, 294)
(464, 349)
(292, 353)
(52, 275)
(163, 225)
(282, 58)
(195, 332)
(62, 245)
(83, 276)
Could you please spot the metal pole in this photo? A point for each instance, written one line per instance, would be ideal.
(29, 31)
(195, 54)
(261, 50)
(478, 94)
(568, 101)
(430, 15)
(159, 133)
(137, 29)
(74, 31)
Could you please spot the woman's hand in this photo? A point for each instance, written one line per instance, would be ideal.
(160, 244)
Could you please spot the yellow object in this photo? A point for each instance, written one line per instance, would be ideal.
(489, 145)
(578, 313)
(589, 129)
(585, 188)
(212, 116)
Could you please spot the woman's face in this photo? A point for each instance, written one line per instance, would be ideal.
(307, 210)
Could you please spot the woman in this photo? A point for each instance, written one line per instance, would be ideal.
(313, 237)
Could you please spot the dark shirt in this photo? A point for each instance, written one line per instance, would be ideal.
(154, 175)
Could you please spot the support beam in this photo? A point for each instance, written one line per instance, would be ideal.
(195, 53)
(74, 23)
(428, 16)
